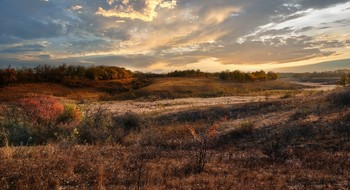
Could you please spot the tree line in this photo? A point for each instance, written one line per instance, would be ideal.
(239, 76)
(335, 74)
(46, 73)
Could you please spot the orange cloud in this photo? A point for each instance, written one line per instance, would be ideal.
(148, 13)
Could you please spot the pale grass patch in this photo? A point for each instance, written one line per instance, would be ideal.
(8, 151)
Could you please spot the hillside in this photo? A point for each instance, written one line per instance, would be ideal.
(157, 88)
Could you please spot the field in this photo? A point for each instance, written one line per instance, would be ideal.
(186, 133)
(151, 89)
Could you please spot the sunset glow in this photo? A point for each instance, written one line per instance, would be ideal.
(165, 35)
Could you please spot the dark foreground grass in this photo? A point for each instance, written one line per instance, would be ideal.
(294, 143)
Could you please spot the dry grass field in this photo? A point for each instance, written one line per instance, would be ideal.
(156, 89)
(169, 88)
(282, 142)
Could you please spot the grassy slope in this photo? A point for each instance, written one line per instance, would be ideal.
(204, 87)
(161, 88)
(297, 143)
(13, 92)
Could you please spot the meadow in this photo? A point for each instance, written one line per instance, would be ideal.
(174, 133)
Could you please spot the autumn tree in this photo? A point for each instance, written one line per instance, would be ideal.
(7, 76)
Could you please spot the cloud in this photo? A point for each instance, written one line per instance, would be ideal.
(151, 34)
(23, 48)
(147, 14)
(77, 7)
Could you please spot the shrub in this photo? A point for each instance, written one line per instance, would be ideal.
(41, 109)
(300, 114)
(204, 139)
(128, 121)
(71, 113)
(38, 120)
(287, 95)
(245, 128)
(16, 135)
(94, 126)
(341, 98)
(276, 149)
(99, 127)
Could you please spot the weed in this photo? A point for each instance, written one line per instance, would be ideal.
(300, 114)
(287, 95)
(204, 140)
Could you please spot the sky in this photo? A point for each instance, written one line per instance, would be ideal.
(165, 35)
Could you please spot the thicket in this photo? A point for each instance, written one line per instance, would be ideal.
(38, 120)
(240, 76)
(189, 73)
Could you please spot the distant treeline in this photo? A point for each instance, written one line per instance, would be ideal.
(62, 73)
(46, 73)
(189, 73)
(237, 76)
(327, 74)
(240, 76)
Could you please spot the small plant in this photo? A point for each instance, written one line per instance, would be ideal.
(8, 151)
(275, 149)
(245, 128)
(300, 114)
(128, 121)
(71, 113)
(204, 139)
(287, 95)
(267, 95)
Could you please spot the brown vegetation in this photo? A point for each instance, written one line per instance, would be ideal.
(294, 143)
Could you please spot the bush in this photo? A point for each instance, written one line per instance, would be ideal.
(245, 128)
(71, 113)
(341, 98)
(276, 150)
(287, 95)
(16, 135)
(128, 121)
(100, 127)
(38, 120)
(41, 109)
(300, 114)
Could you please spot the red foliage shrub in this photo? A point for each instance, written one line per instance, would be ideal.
(41, 109)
